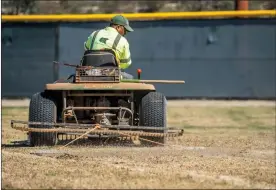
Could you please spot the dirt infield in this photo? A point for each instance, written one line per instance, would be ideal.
(222, 147)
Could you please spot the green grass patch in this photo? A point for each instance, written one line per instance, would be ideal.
(248, 118)
(13, 110)
(245, 118)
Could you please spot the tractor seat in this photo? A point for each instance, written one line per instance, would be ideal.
(99, 58)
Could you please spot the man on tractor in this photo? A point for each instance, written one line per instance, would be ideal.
(112, 37)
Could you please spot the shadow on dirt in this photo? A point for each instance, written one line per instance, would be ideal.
(14, 145)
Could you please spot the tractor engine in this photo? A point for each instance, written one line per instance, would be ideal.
(100, 115)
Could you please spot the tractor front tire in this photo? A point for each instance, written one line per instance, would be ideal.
(153, 113)
(42, 109)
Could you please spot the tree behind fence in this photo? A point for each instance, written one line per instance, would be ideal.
(15, 7)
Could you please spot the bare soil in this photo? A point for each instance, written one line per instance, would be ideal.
(222, 147)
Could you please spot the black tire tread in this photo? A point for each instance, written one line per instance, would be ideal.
(154, 112)
(42, 109)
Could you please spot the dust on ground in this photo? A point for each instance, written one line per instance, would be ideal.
(222, 147)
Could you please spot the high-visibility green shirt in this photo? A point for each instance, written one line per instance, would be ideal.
(109, 38)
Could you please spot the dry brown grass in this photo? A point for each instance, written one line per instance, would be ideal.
(223, 147)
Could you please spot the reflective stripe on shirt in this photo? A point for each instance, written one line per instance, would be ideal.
(109, 38)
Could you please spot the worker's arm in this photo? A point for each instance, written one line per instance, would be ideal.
(87, 44)
(125, 59)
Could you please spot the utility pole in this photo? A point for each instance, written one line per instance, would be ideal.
(241, 5)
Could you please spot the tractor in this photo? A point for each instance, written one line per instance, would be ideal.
(97, 101)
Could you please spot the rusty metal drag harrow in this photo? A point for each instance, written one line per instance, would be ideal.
(98, 129)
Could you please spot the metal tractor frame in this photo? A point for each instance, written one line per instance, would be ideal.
(98, 102)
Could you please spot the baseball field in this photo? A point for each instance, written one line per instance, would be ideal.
(226, 144)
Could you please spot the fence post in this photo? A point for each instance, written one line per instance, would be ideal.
(241, 4)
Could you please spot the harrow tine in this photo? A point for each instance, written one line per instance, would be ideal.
(122, 134)
(81, 136)
(87, 126)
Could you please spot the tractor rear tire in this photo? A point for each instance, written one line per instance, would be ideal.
(153, 113)
(42, 109)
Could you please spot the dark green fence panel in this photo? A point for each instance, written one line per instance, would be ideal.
(216, 58)
(27, 54)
